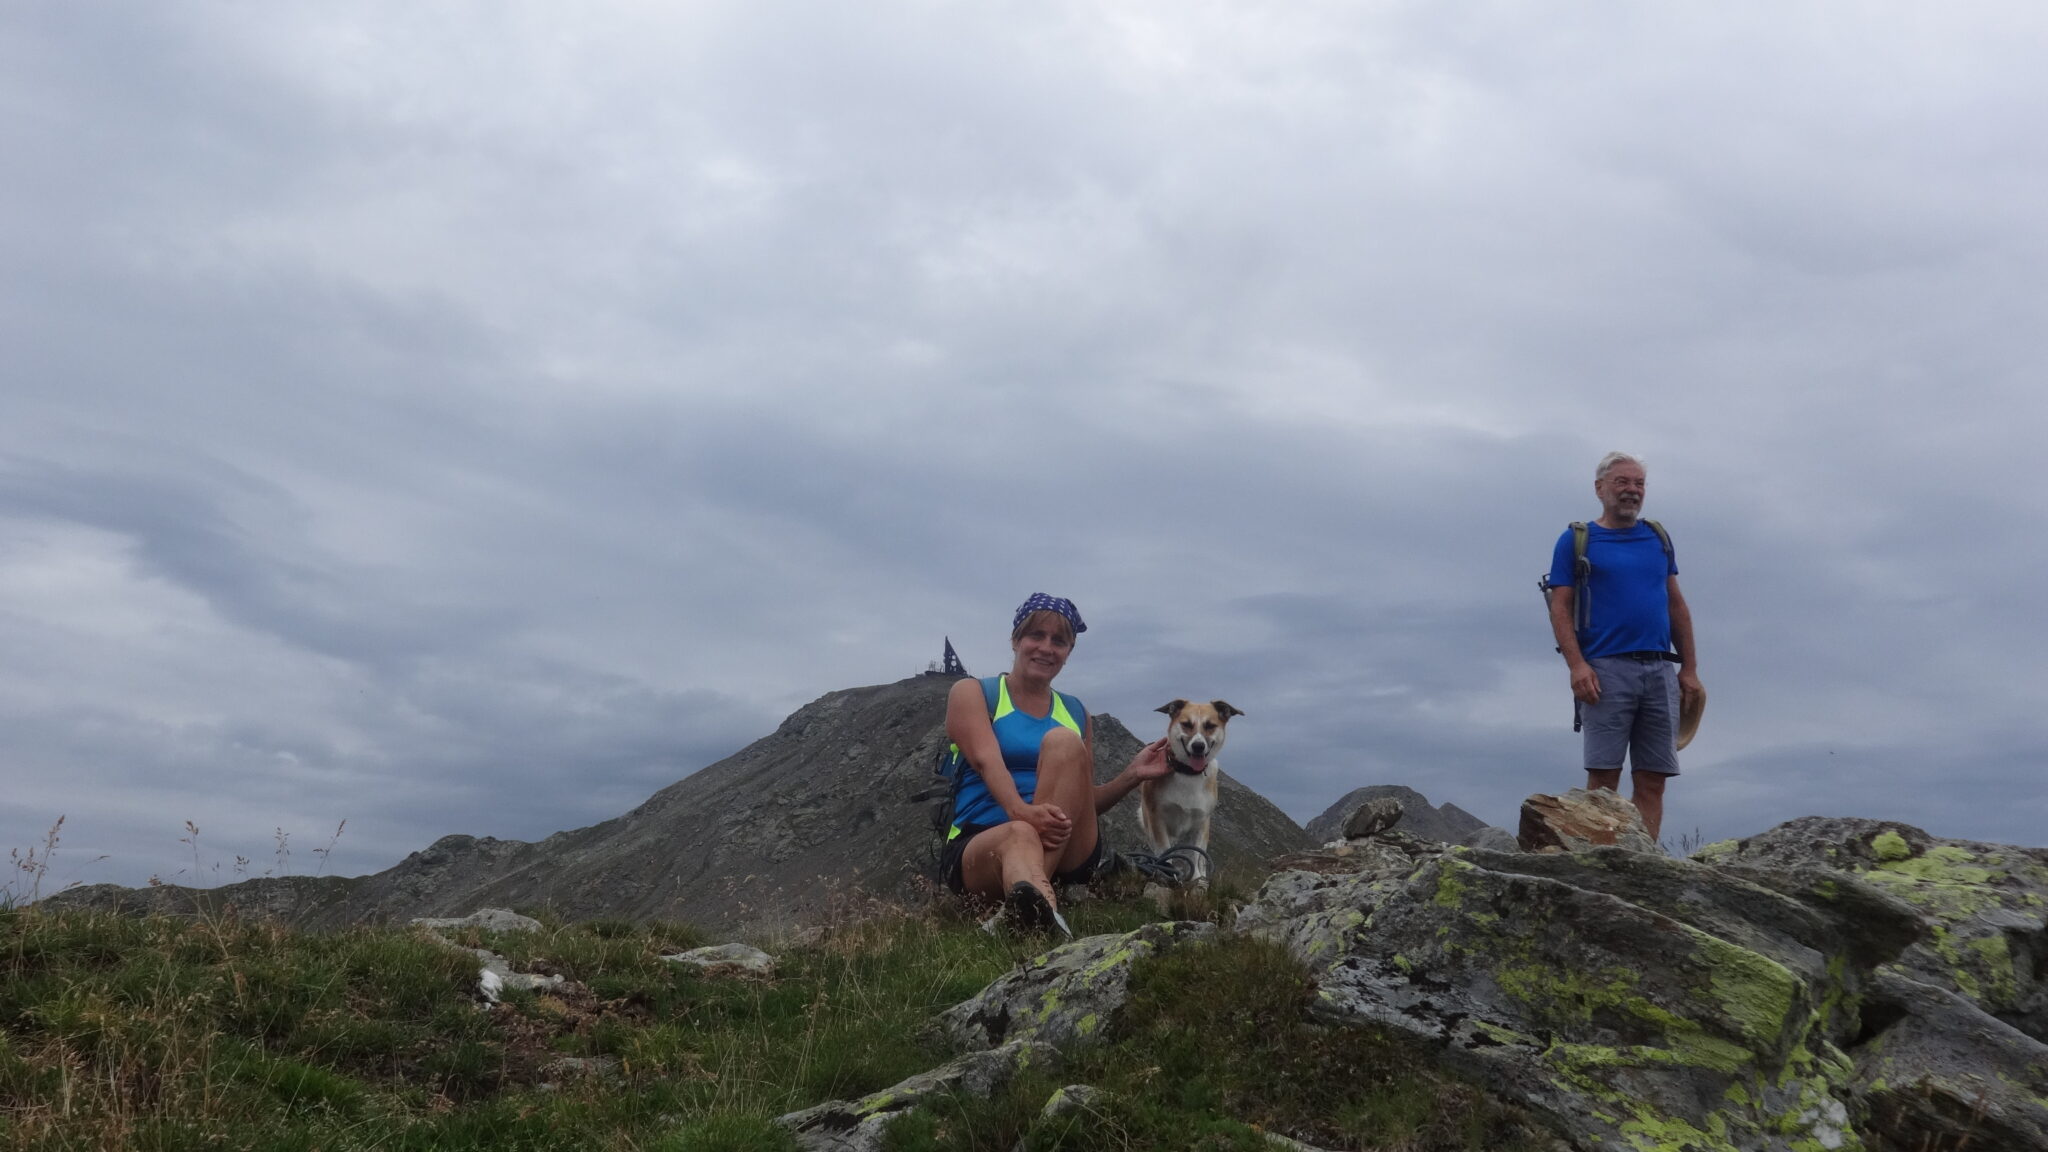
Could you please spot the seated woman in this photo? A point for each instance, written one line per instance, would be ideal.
(1026, 808)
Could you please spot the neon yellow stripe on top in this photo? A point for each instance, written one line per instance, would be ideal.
(1060, 715)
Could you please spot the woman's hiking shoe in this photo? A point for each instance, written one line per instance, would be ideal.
(1027, 908)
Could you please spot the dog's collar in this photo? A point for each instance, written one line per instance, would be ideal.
(1184, 769)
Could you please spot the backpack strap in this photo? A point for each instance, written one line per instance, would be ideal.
(1582, 578)
(1670, 556)
(1582, 569)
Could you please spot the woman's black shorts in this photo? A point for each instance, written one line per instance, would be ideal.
(956, 847)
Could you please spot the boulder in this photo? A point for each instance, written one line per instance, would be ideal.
(1629, 999)
(1068, 995)
(1372, 818)
(1986, 904)
(1492, 839)
(1448, 824)
(1938, 1072)
(1582, 819)
(727, 960)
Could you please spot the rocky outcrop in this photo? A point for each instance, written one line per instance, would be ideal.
(1796, 991)
(1780, 998)
(771, 838)
(1986, 904)
(1957, 1024)
(1448, 824)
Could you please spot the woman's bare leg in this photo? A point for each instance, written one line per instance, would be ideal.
(1066, 777)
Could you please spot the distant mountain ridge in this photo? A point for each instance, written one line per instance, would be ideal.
(767, 838)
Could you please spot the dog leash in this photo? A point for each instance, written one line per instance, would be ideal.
(1173, 867)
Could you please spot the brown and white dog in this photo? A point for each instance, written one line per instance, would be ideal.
(1175, 808)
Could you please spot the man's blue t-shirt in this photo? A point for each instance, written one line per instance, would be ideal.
(1628, 603)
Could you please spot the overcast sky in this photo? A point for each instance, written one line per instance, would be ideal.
(473, 417)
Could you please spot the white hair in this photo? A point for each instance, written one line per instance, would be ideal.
(1608, 462)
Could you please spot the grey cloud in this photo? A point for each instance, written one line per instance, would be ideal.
(474, 423)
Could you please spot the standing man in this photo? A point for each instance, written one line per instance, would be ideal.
(1617, 618)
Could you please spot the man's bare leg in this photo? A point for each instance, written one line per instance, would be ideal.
(1648, 794)
(1598, 778)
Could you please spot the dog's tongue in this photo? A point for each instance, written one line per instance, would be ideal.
(1199, 763)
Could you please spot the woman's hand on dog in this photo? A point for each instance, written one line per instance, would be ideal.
(1150, 763)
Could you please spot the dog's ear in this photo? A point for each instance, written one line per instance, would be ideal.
(1224, 709)
(1172, 707)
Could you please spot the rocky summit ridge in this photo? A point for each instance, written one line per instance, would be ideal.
(1832, 985)
(767, 839)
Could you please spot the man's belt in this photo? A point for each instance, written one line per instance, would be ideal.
(1646, 657)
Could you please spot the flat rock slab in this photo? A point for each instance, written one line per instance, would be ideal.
(857, 1126)
(727, 960)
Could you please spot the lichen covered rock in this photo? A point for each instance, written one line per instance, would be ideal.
(1986, 905)
(1632, 1000)
(1068, 995)
(858, 1125)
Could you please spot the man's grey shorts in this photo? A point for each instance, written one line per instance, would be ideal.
(1637, 715)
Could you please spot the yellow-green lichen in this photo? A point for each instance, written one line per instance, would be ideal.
(1946, 864)
(1717, 851)
(1564, 996)
(879, 1102)
(1649, 1132)
(1500, 1035)
(1994, 959)
(1450, 883)
(1753, 990)
(1889, 845)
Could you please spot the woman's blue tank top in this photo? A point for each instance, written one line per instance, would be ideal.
(1019, 734)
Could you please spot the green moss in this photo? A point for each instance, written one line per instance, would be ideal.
(1889, 845)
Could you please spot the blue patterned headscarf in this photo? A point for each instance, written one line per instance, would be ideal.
(1041, 602)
